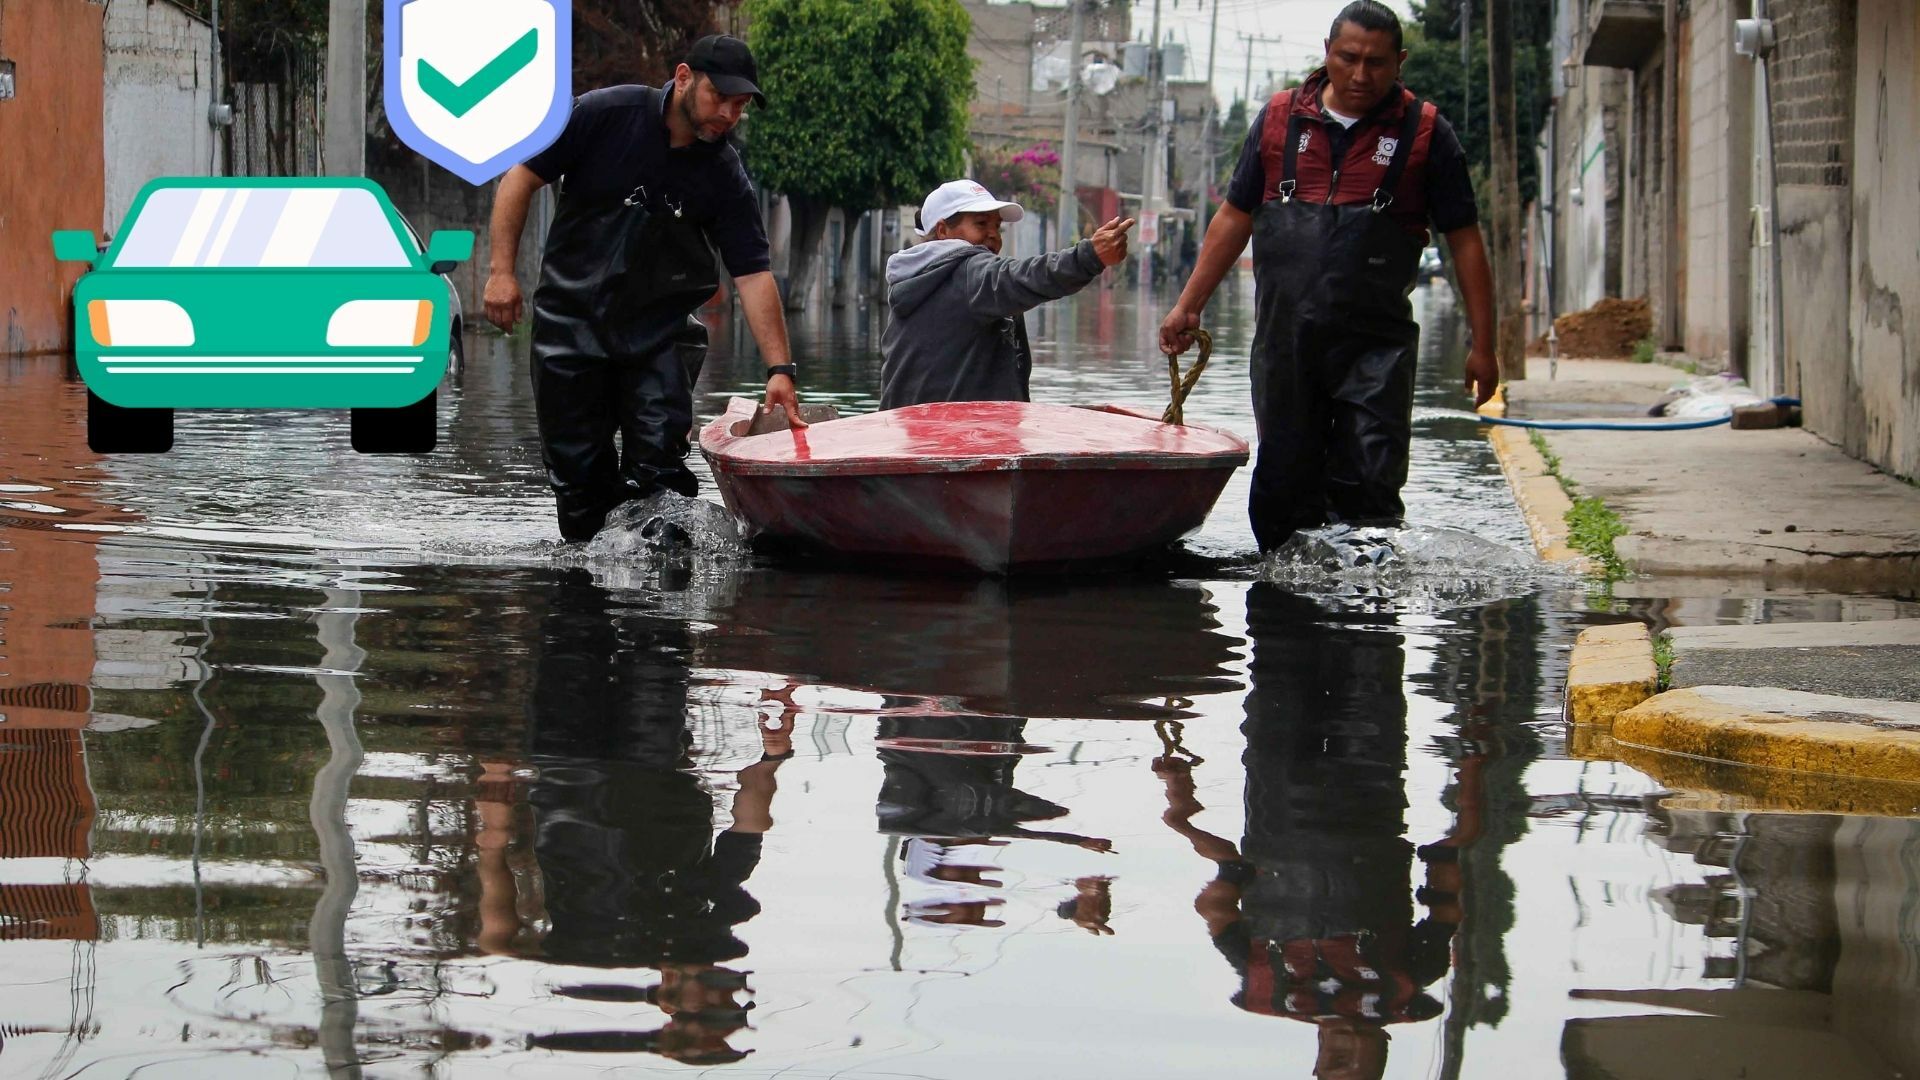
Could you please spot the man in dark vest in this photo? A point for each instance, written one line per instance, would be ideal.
(648, 188)
(1336, 186)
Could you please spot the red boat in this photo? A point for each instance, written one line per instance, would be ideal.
(992, 485)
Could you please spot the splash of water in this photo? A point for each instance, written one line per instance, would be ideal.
(1421, 562)
(666, 525)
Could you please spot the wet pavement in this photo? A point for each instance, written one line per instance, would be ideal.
(321, 764)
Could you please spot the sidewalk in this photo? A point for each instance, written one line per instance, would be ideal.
(1749, 510)
(1805, 716)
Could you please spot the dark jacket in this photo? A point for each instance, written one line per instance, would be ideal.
(955, 332)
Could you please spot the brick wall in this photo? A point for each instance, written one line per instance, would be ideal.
(1813, 74)
(50, 165)
(1717, 186)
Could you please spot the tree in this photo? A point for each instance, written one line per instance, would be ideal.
(1434, 70)
(866, 107)
(627, 41)
(1510, 340)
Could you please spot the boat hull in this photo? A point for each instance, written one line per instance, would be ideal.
(1047, 507)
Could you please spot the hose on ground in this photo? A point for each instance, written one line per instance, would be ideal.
(1619, 425)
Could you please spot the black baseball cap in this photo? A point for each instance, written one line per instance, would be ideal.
(728, 63)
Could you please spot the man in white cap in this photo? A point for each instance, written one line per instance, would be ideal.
(956, 330)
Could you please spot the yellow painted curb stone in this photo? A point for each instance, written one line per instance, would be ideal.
(1723, 724)
(1724, 788)
(1543, 503)
(1612, 670)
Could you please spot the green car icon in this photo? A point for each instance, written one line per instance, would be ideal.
(262, 293)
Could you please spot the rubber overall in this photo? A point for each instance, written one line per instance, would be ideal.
(1333, 353)
(616, 347)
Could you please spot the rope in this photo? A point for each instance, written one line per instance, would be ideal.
(1182, 386)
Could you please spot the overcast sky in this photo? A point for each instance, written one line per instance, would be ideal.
(1301, 26)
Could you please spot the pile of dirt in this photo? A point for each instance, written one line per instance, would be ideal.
(1607, 330)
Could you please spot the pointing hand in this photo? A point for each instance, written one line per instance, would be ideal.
(1110, 241)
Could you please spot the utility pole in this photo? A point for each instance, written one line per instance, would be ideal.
(346, 145)
(1206, 130)
(1150, 163)
(1069, 224)
(1246, 93)
(1510, 336)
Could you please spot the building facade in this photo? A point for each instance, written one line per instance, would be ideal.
(1655, 168)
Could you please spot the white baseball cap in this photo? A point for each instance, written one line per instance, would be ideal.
(962, 197)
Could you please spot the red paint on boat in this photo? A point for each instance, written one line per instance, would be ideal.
(990, 484)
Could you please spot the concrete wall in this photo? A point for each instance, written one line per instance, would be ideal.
(50, 164)
(1886, 259)
(159, 69)
(1581, 269)
(1001, 46)
(1718, 88)
(1813, 82)
(1647, 146)
(1876, 984)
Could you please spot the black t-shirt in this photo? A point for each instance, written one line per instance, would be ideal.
(614, 142)
(1450, 202)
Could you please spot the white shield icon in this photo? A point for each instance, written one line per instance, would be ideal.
(478, 81)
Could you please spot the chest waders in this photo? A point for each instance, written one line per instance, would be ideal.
(1333, 352)
(616, 348)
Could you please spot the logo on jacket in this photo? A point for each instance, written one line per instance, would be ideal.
(1383, 151)
(1305, 138)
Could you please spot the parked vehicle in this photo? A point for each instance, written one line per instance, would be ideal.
(249, 292)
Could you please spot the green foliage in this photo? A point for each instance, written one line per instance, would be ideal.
(1434, 71)
(1663, 660)
(1591, 530)
(866, 99)
(1646, 349)
(1591, 527)
(1552, 459)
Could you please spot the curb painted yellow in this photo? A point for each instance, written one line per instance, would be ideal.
(1543, 503)
(1724, 788)
(1496, 405)
(1612, 670)
(1693, 722)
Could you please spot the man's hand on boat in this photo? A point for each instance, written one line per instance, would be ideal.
(1176, 331)
(1110, 241)
(781, 394)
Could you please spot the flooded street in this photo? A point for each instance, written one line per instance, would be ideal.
(314, 763)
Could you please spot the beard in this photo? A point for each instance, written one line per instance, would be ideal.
(700, 130)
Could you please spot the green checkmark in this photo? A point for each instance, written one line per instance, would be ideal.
(460, 98)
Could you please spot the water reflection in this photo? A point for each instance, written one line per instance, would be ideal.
(1124, 650)
(948, 791)
(631, 873)
(1312, 908)
(275, 796)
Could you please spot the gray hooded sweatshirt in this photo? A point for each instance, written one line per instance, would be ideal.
(955, 330)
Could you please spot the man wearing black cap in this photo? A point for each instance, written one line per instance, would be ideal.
(649, 188)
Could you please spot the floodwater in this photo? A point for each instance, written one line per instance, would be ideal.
(318, 764)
